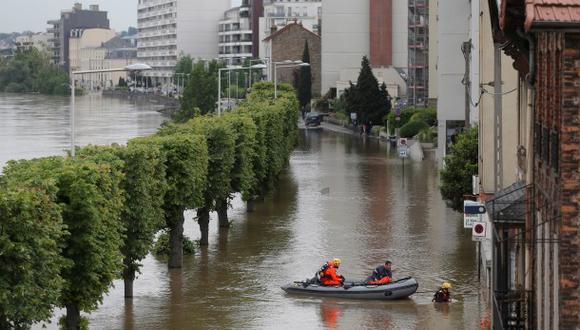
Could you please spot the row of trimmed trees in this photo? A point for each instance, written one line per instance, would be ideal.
(70, 226)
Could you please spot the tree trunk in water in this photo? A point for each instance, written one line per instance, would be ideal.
(250, 205)
(128, 277)
(203, 220)
(176, 240)
(73, 317)
(223, 214)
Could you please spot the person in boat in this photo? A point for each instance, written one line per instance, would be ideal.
(443, 295)
(381, 275)
(328, 275)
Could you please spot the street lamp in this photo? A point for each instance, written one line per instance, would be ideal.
(230, 69)
(131, 67)
(284, 65)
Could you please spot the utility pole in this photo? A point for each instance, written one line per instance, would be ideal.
(497, 116)
(467, 80)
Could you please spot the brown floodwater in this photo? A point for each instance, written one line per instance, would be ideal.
(339, 197)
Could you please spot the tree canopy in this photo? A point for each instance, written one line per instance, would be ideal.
(460, 166)
(370, 101)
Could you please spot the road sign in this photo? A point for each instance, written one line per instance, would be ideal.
(403, 152)
(472, 212)
(402, 141)
(478, 231)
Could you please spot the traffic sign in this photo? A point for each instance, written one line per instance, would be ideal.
(479, 231)
(403, 153)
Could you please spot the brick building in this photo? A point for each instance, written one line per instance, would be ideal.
(536, 261)
(288, 44)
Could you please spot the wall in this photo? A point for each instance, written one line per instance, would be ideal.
(452, 32)
(345, 37)
(400, 19)
(433, 52)
(288, 44)
(486, 110)
(381, 33)
(80, 48)
(197, 27)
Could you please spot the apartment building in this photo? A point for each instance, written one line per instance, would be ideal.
(98, 49)
(353, 29)
(76, 18)
(172, 28)
(235, 34)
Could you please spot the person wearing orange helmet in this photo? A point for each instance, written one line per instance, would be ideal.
(328, 275)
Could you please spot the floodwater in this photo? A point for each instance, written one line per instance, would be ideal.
(340, 197)
(37, 125)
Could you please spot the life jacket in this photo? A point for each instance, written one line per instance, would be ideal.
(322, 272)
(384, 280)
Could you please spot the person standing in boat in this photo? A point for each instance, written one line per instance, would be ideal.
(381, 275)
(443, 295)
(328, 275)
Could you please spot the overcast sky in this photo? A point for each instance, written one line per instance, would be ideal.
(22, 15)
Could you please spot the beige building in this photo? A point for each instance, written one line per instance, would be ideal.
(98, 49)
(39, 41)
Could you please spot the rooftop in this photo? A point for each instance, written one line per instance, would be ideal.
(552, 12)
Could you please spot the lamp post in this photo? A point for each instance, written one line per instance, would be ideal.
(284, 65)
(230, 69)
(131, 68)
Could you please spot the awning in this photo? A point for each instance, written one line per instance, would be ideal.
(509, 206)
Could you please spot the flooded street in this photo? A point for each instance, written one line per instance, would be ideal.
(340, 197)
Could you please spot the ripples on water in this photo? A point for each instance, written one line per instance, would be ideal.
(341, 196)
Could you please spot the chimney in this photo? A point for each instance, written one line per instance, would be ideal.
(78, 6)
(94, 7)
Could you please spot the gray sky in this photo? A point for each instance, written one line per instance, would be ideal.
(21, 15)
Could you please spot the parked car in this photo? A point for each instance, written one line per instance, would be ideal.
(312, 119)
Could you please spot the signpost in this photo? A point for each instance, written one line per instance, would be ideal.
(403, 153)
(479, 231)
(472, 212)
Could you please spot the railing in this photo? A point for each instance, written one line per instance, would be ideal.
(511, 309)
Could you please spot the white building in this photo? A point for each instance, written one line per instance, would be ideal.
(279, 13)
(171, 28)
(98, 49)
(453, 27)
(346, 38)
(235, 35)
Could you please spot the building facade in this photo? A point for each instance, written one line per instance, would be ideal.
(277, 14)
(171, 28)
(77, 18)
(452, 31)
(101, 49)
(288, 44)
(235, 35)
(536, 222)
(418, 69)
(348, 31)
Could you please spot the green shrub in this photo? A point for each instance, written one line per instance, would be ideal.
(412, 128)
(428, 116)
(428, 135)
(162, 248)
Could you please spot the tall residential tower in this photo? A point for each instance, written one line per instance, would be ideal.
(171, 28)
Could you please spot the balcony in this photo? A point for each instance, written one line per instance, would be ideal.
(512, 309)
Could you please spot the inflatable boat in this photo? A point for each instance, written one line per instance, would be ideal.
(399, 289)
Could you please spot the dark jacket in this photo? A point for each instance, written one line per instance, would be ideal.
(442, 295)
(381, 272)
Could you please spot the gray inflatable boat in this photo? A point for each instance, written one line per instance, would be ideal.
(399, 289)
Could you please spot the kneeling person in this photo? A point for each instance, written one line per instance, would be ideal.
(443, 294)
(328, 274)
(381, 275)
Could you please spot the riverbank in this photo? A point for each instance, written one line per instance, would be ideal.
(169, 104)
